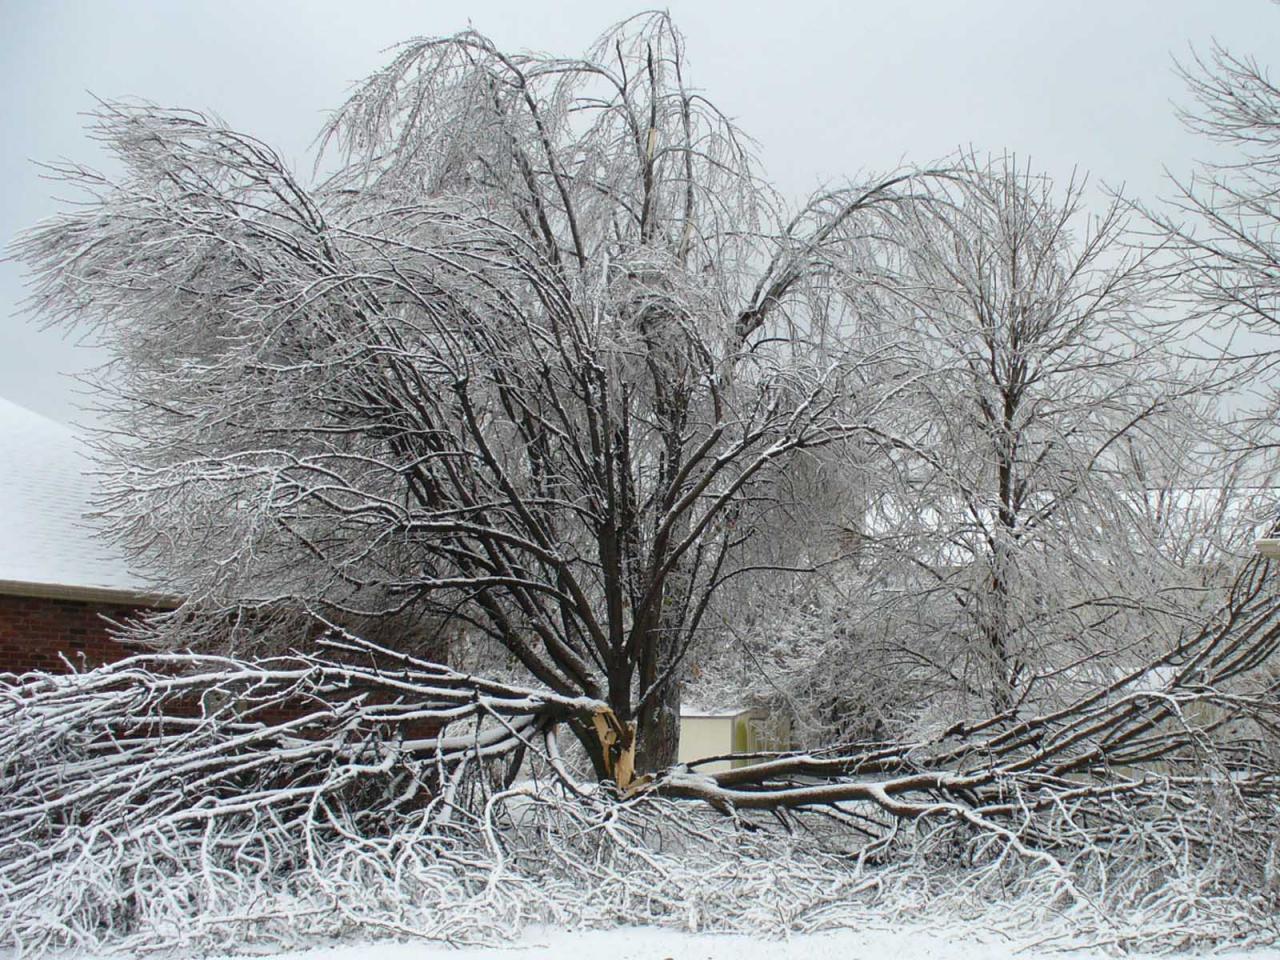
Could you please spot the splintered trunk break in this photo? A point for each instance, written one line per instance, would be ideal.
(617, 746)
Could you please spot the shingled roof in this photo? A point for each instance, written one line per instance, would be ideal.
(49, 546)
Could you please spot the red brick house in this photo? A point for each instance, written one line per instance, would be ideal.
(59, 580)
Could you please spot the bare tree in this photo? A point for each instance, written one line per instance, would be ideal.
(1064, 507)
(513, 367)
(1013, 523)
(1221, 222)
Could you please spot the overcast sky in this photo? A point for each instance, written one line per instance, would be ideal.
(826, 89)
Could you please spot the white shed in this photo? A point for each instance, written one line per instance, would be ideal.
(713, 733)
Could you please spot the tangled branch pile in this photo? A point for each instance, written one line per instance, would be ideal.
(208, 801)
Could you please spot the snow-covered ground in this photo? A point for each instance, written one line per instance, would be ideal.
(650, 943)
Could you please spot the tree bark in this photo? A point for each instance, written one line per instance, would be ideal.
(660, 730)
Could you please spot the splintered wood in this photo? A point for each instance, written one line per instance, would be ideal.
(618, 744)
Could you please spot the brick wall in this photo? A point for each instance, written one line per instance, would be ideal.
(35, 630)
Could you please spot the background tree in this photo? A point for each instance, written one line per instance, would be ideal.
(1052, 368)
(1056, 514)
(1222, 222)
(514, 367)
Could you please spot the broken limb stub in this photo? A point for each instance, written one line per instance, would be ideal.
(617, 745)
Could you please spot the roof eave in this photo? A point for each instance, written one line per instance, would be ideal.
(62, 591)
(1268, 547)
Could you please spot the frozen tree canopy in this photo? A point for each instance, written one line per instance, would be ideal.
(518, 365)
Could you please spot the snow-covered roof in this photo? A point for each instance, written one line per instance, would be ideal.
(695, 711)
(48, 544)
